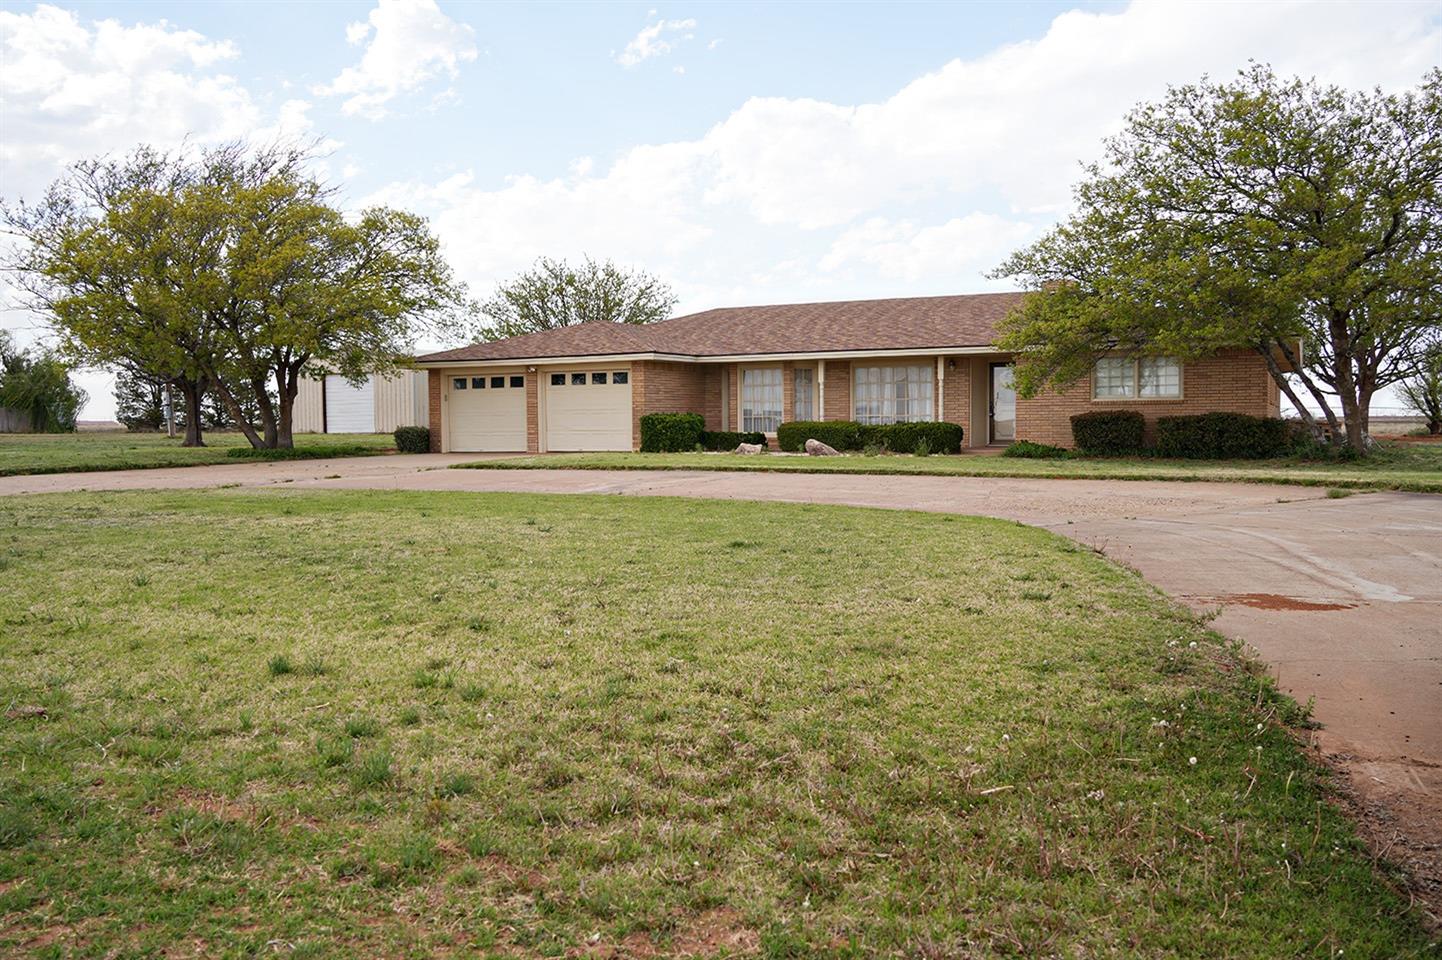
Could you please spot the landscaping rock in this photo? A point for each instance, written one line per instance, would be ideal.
(816, 448)
(750, 448)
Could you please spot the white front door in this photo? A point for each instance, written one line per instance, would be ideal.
(348, 408)
(486, 413)
(588, 409)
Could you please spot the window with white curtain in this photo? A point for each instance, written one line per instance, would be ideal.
(892, 394)
(803, 397)
(1124, 378)
(760, 399)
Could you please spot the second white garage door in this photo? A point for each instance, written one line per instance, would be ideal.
(588, 410)
(487, 413)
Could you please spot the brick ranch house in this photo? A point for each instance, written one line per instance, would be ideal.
(586, 387)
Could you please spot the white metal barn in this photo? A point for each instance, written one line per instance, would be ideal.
(379, 405)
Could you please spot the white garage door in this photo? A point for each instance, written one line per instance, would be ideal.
(588, 409)
(487, 412)
(348, 408)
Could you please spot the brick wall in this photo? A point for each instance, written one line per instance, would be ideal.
(436, 383)
(1234, 381)
(838, 390)
(661, 387)
(533, 413)
(956, 396)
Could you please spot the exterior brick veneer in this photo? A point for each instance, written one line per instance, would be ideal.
(1235, 381)
(436, 383)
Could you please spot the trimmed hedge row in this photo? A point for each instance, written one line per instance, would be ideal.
(730, 439)
(1222, 436)
(850, 435)
(1108, 432)
(671, 432)
(413, 440)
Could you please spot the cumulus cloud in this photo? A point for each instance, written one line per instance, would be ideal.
(655, 40)
(409, 44)
(71, 88)
(906, 250)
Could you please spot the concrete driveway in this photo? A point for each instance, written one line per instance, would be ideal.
(1343, 597)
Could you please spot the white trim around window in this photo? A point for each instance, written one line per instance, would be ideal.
(1137, 378)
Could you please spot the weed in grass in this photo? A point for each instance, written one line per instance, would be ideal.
(418, 854)
(359, 727)
(457, 785)
(424, 679)
(410, 716)
(314, 666)
(1338, 493)
(245, 721)
(478, 625)
(279, 665)
(335, 751)
(473, 693)
(374, 769)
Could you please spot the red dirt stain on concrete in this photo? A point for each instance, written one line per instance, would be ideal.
(1275, 601)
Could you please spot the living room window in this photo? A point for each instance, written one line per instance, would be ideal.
(803, 398)
(893, 394)
(1126, 378)
(761, 399)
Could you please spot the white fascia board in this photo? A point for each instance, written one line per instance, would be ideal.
(724, 358)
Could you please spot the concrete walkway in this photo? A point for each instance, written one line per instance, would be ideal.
(1343, 597)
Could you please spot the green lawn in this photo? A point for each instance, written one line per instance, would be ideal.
(66, 452)
(402, 724)
(1396, 466)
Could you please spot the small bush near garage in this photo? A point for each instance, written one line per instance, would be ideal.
(730, 439)
(1027, 450)
(841, 434)
(671, 432)
(1108, 432)
(413, 439)
(1222, 436)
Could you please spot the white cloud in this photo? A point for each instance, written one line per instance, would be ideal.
(655, 40)
(411, 43)
(71, 89)
(922, 191)
(905, 250)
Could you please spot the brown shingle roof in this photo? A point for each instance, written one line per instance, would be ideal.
(903, 323)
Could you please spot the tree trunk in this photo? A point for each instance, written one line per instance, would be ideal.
(192, 392)
(241, 420)
(1280, 378)
(288, 385)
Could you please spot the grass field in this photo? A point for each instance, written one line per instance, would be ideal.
(395, 724)
(1396, 466)
(22, 453)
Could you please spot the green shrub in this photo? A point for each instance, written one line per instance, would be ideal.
(413, 439)
(849, 435)
(1028, 450)
(320, 452)
(841, 434)
(671, 432)
(1222, 436)
(939, 437)
(1108, 432)
(922, 448)
(730, 439)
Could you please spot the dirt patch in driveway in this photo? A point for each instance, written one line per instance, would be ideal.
(1275, 601)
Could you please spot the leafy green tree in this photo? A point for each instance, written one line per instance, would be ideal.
(555, 294)
(37, 385)
(102, 254)
(232, 272)
(139, 401)
(1258, 214)
(1423, 390)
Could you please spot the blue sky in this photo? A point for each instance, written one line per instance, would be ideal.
(745, 152)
